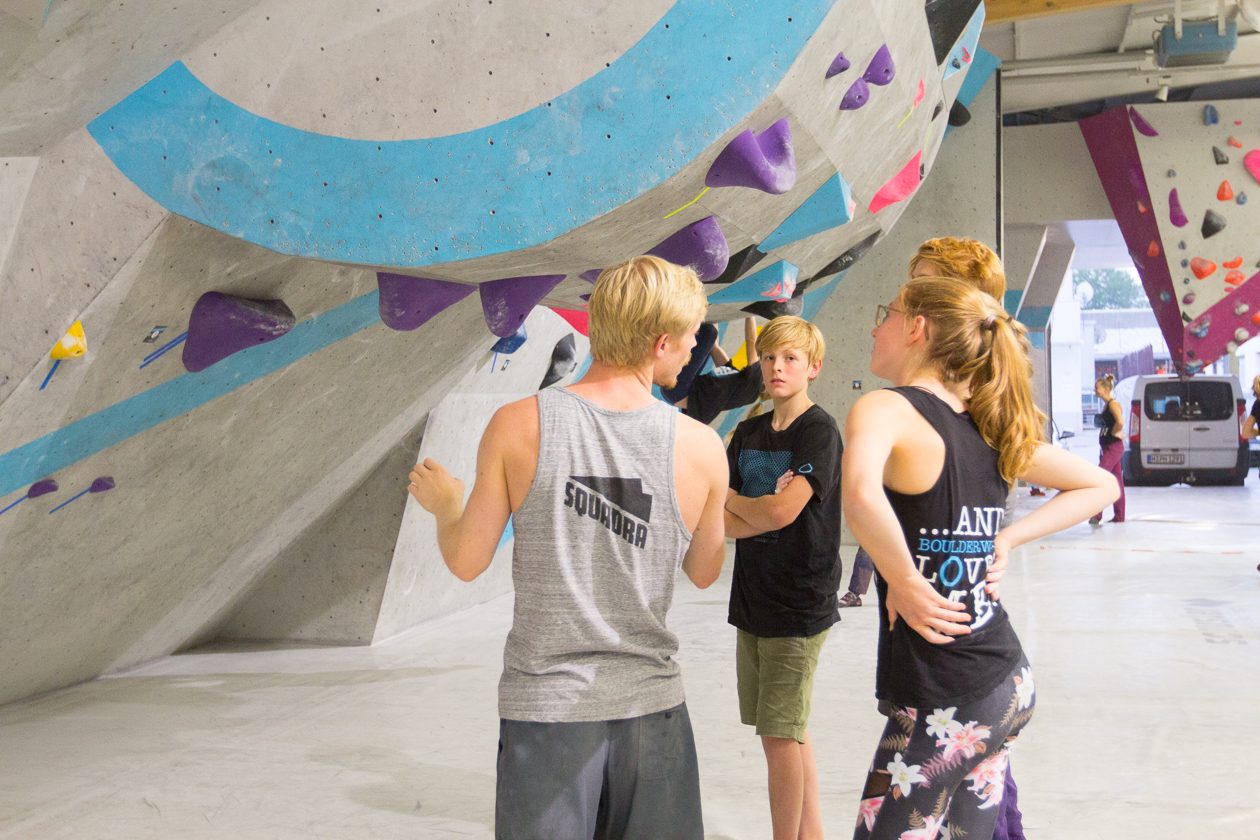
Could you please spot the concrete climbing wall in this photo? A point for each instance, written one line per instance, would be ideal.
(961, 198)
(1177, 176)
(284, 251)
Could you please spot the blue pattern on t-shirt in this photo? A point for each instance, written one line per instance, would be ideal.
(759, 471)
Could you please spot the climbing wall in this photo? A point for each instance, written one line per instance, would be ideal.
(1178, 177)
(229, 296)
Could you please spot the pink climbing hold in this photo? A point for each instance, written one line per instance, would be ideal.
(764, 161)
(900, 187)
(918, 97)
(1140, 123)
(507, 302)
(1251, 160)
(1175, 214)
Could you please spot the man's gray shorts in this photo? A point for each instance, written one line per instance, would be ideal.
(632, 779)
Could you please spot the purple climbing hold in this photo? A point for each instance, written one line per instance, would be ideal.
(838, 65)
(42, 488)
(507, 302)
(1189, 298)
(856, 96)
(1140, 123)
(1213, 223)
(407, 302)
(591, 274)
(881, 70)
(1210, 116)
(100, 485)
(701, 245)
(1175, 214)
(222, 324)
(764, 161)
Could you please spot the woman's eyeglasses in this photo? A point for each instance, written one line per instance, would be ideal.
(882, 312)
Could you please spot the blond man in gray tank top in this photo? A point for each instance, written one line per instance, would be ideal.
(611, 492)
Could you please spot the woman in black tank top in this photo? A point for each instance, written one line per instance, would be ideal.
(925, 478)
(1110, 444)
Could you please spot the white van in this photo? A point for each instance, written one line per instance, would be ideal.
(1184, 430)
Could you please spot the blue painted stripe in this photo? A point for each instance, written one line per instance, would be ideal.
(96, 432)
(829, 207)
(418, 202)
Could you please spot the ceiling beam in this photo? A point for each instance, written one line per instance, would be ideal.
(999, 11)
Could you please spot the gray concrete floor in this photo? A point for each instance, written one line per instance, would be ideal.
(1144, 638)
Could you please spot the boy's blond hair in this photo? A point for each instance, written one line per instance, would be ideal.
(966, 259)
(794, 332)
(638, 301)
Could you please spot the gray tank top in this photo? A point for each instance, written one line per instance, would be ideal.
(599, 540)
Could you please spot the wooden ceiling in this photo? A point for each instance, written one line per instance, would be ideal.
(998, 11)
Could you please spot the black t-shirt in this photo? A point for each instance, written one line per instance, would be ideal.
(949, 531)
(785, 581)
(1109, 420)
(1255, 410)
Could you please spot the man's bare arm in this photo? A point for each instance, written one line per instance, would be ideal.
(703, 561)
(468, 534)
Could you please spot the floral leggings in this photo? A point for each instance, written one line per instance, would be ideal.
(915, 790)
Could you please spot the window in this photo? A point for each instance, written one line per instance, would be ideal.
(1191, 400)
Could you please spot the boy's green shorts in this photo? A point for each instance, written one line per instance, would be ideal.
(776, 679)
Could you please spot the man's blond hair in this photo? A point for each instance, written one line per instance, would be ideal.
(794, 332)
(967, 259)
(638, 301)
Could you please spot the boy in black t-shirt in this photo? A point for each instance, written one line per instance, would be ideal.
(783, 508)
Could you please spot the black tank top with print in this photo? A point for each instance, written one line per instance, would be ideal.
(949, 530)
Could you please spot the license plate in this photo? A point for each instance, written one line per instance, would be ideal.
(1170, 458)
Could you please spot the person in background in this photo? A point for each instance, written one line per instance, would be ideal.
(1110, 444)
(703, 396)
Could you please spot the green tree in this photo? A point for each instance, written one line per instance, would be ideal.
(1112, 288)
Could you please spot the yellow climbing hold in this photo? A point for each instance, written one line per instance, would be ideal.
(72, 345)
(740, 359)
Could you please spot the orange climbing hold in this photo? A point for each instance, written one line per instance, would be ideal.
(1255, 319)
(1235, 277)
(1152, 250)
(1235, 142)
(1236, 262)
(1142, 208)
(1202, 268)
(1225, 192)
